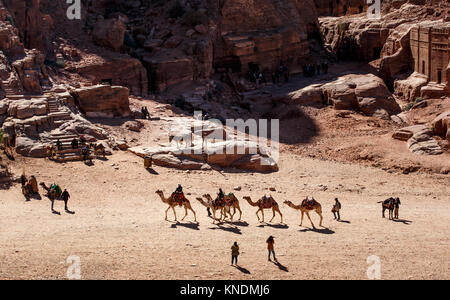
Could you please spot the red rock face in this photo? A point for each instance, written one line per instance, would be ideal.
(264, 32)
(339, 8)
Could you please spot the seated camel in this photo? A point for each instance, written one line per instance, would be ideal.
(265, 203)
(173, 201)
(305, 207)
(99, 149)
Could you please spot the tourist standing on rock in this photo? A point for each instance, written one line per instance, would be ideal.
(59, 145)
(270, 241)
(74, 144)
(234, 253)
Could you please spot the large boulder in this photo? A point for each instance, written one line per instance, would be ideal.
(28, 147)
(23, 109)
(103, 101)
(109, 33)
(441, 125)
(419, 139)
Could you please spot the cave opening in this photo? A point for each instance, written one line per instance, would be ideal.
(439, 76)
(377, 52)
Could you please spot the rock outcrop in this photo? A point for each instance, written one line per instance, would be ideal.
(419, 139)
(441, 125)
(103, 101)
(109, 33)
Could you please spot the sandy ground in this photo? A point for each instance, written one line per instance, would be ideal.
(118, 229)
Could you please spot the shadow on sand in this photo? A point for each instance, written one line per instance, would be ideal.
(277, 226)
(190, 225)
(344, 221)
(151, 171)
(234, 229)
(321, 230)
(242, 269)
(406, 222)
(280, 266)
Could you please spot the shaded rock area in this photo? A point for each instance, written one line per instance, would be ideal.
(103, 101)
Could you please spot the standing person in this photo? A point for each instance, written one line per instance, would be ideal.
(270, 241)
(65, 196)
(59, 145)
(396, 207)
(234, 253)
(74, 144)
(336, 208)
(85, 152)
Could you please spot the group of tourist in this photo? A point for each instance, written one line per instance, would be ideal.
(76, 143)
(311, 70)
(270, 248)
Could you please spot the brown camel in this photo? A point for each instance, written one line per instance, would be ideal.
(174, 202)
(232, 201)
(214, 205)
(53, 195)
(305, 207)
(265, 203)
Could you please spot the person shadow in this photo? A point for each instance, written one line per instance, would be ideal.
(152, 171)
(234, 229)
(280, 266)
(242, 269)
(406, 222)
(344, 221)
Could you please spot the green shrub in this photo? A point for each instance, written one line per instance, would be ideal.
(342, 27)
(1, 136)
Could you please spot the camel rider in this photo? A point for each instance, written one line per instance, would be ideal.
(33, 183)
(178, 194)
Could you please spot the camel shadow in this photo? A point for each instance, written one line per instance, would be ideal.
(277, 226)
(280, 266)
(189, 225)
(70, 212)
(321, 230)
(102, 158)
(239, 223)
(235, 229)
(151, 171)
(406, 222)
(242, 269)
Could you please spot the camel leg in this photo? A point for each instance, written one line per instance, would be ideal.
(195, 215)
(185, 213)
(167, 211)
(301, 220)
(382, 211)
(321, 218)
(262, 212)
(307, 214)
(174, 213)
(273, 211)
(281, 215)
(240, 212)
(53, 201)
(214, 216)
(258, 215)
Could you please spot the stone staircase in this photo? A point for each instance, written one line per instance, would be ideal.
(58, 116)
(67, 153)
(10, 92)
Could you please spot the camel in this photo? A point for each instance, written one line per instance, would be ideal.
(305, 207)
(99, 149)
(389, 204)
(173, 202)
(50, 151)
(265, 203)
(214, 205)
(53, 195)
(232, 201)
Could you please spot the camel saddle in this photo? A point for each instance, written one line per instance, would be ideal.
(178, 198)
(267, 202)
(309, 204)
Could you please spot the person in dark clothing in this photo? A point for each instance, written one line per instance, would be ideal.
(23, 180)
(74, 144)
(65, 196)
(234, 253)
(85, 152)
(396, 207)
(59, 145)
(336, 208)
(82, 140)
(270, 241)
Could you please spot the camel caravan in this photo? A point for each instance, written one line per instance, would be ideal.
(224, 207)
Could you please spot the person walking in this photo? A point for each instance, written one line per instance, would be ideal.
(270, 241)
(234, 253)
